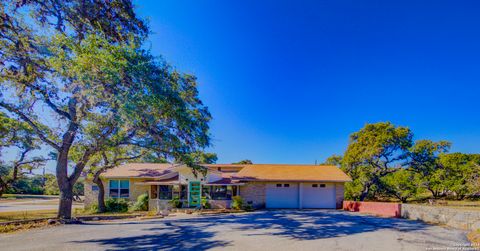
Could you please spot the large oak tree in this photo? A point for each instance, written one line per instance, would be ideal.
(77, 74)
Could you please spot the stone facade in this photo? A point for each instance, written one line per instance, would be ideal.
(457, 218)
(254, 193)
(339, 194)
(90, 195)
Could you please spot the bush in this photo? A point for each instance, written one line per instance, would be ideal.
(237, 202)
(176, 203)
(116, 205)
(248, 207)
(141, 204)
(205, 203)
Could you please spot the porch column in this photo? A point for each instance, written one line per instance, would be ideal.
(300, 195)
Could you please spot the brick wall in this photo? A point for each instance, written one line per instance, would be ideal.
(339, 194)
(377, 208)
(254, 192)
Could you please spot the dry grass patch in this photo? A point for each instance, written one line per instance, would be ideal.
(27, 215)
(474, 237)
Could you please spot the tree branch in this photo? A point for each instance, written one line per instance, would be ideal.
(24, 117)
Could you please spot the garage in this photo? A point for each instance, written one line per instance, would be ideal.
(292, 186)
(318, 195)
(282, 195)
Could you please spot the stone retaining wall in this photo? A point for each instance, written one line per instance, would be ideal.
(457, 218)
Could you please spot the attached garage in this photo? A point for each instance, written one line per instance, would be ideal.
(281, 195)
(292, 186)
(318, 195)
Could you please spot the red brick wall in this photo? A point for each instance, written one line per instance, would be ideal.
(377, 208)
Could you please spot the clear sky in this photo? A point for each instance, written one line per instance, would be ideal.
(289, 81)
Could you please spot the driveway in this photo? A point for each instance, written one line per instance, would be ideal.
(261, 230)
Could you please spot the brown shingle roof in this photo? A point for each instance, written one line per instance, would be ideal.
(268, 172)
(138, 170)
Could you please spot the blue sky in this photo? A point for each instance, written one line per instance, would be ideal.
(289, 81)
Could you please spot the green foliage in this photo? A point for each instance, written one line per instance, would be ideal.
(382, 160)
(462, 172)
(245, 161)
(374, 152)
(28, 185)
(51, 186)
(334, 160)
(116, 205)
(205, 204)
(402, 184)
(81, 77)
(175, 202)
(247, 207)
(141, 204)
(204, 158)
(237, 202)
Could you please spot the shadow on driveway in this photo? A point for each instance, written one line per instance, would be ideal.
(197, 233)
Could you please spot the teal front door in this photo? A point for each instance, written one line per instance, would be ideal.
(195, 192)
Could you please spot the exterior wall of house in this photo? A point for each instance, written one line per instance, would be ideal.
(254, 193)
(339, 194)
(91, 196)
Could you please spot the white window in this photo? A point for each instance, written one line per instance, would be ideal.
(119, 188)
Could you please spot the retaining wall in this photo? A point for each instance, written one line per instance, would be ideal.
(377, 208)
(453, 217)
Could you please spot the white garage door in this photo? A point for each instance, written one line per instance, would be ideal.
(318, 195)
(282, 195)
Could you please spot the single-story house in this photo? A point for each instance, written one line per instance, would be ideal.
(261, 185)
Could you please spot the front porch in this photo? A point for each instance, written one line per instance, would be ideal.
(163, 196)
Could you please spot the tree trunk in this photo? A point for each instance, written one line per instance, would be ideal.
(364, 193)
(66, 199)
(64, 185)
(101, 193)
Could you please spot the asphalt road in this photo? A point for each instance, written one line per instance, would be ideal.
(261, 230)
(31, 203)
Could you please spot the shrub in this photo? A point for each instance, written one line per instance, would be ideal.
(248, 207)
(91, 209)
(237, 202)
(116, 205)
(176, 203)
(205, 203)
(141, 204)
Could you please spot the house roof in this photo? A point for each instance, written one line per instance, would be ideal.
(232, 173)
(166, 181)
(269, 172)
(139, 170)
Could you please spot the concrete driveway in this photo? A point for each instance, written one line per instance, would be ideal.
(262, 230)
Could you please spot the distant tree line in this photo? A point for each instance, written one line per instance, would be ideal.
(40, 185)
(385, 162)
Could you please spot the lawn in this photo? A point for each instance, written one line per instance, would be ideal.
(27, 215)
(39, 214)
